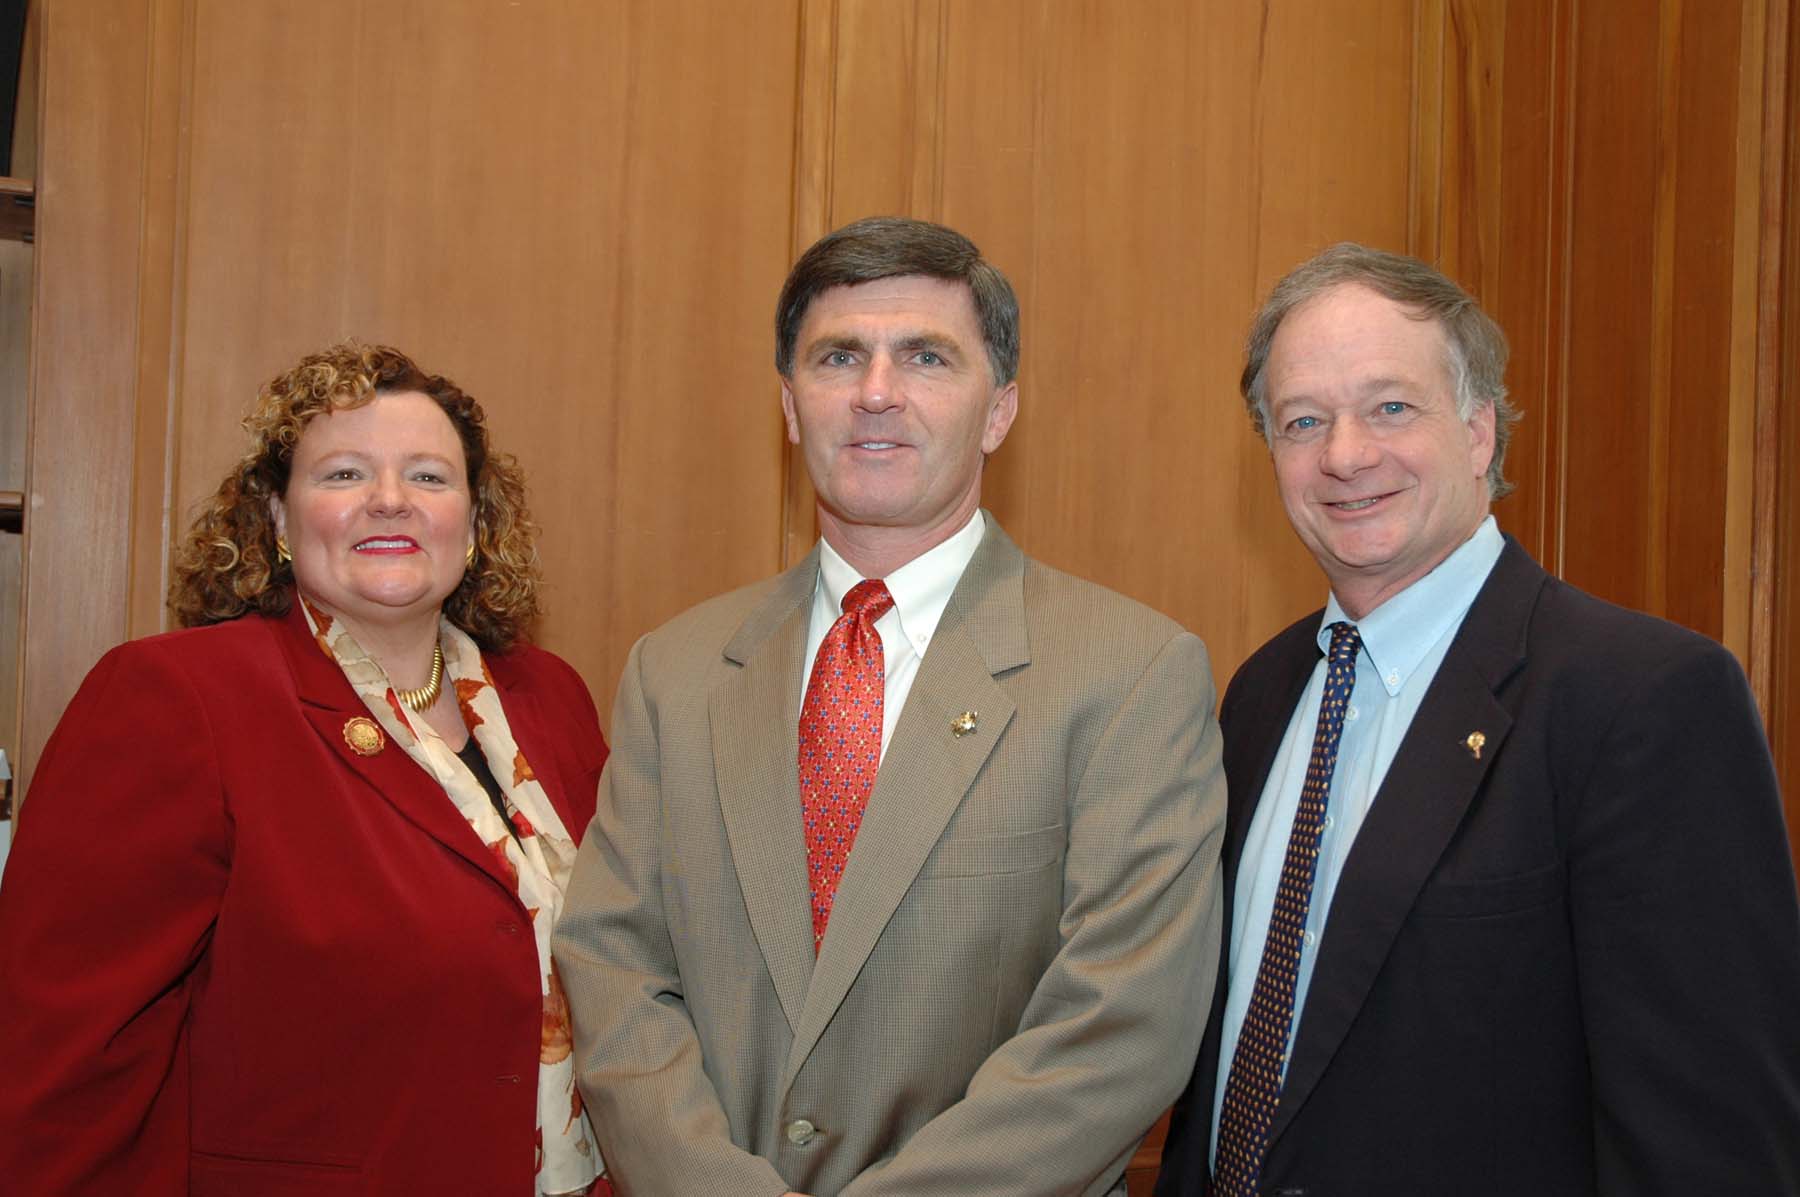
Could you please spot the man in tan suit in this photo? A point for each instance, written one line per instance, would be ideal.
(919, 898)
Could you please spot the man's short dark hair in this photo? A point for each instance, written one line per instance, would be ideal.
(889, 247)
(1473, 343)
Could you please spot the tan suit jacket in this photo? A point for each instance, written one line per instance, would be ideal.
(1028, 928)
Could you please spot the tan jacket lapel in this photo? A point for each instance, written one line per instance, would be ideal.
(756, 762)
(925, 772)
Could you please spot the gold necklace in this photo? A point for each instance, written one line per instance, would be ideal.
(422, 698)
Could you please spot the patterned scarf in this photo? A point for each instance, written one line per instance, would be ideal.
(537, 861)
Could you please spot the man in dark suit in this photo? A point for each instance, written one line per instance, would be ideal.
(1509, 902)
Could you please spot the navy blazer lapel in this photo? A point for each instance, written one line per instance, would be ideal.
(329, 703)
(1254, 717)
(1260, 710)
(1428, 789)
(755, 715)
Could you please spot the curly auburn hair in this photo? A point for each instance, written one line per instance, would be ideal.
(226, 564)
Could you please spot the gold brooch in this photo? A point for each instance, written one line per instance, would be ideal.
(363, 736)
(1474, 743)
(963, 724)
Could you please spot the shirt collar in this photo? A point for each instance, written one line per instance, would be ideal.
(921, 588)
(1399, 633)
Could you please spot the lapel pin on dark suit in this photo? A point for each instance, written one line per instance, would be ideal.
(1474, 744)
(963, 724)
(364, 736)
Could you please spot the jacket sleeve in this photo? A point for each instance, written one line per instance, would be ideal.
(638, 1058)
(108, 902)
(1110, 1033)
(1687, 938)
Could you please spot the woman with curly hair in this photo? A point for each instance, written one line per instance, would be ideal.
(278, 917)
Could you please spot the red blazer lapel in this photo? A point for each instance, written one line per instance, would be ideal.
(526, 718)
(329, 704)
(555, 726)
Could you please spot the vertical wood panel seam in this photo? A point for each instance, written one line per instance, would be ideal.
(140, 284)
(1022, 462)
(22, 766)
(1786, 498)
(1425, 166)
(1259, 117)
(1743, 327)
(177, 356)
(940, 107)
(828, 143)
(1783, 498)
(622, 306)
(145, 182)
(1039, 119)
(1487, 95)
(1559, 280)
(360, 39)
(813, 202)
(1765, 464)
(1662, 301)
(925, 145)
(168, 402)
(797, 165)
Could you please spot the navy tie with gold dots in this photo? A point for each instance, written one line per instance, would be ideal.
(1253, 1087)
(840, 741)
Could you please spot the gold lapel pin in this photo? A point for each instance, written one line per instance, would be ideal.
(1474, 744)
(963, 724)
(363, 736)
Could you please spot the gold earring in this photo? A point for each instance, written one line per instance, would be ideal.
(469, 557)
(281, 550)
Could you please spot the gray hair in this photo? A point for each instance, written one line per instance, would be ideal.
(889, 247)
(1474, 347)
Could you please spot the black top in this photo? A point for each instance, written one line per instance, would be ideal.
(470, 755)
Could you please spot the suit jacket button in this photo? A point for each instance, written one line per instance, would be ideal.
(800, 1132)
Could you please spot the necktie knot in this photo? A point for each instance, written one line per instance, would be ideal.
(868, 600)
(1345, 640)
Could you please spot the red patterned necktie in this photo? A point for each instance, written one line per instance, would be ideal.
(840, 741)
(1253, 1087)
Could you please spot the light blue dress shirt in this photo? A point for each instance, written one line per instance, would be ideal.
(1403, 643)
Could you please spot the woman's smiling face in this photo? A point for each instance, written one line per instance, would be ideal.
(377, 512)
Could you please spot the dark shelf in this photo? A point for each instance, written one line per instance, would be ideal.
(18, 209)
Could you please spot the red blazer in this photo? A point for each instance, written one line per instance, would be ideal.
(237, 957)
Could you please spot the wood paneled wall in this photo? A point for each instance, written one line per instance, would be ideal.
(1599, 189)
(583, 211)
(1140, 224)
(1614, 181)
(533, 199)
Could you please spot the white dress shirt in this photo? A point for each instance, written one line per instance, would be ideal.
(921, 590)
(1403, 643)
